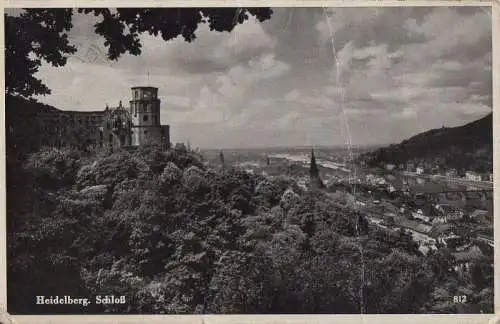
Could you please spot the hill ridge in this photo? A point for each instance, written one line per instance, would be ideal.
(466, 147)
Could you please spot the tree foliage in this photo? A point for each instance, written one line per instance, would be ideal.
(178, 237)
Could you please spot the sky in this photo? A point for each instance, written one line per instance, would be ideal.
(307, 76)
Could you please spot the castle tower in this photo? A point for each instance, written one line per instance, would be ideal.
(145, 112)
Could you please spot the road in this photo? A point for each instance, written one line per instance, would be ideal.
(462, 182)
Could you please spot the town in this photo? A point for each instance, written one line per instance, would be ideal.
(441, 210)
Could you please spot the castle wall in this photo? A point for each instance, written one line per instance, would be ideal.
(145, 112)
(68, 128)
(144, 135)
(141, 125)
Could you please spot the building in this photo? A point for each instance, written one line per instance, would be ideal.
(421, 216)
(480, 216)
(390, 167)
(446, 213)
(62, 128)
(452, 173)
(469, 256)
(439, 230)
(145, 114)
(486, 239)
(116, 127)
(450, 240)
(472, 176)
(410, 166)
(485, 176)
(419, 170)
(415, 226)
(434, 169)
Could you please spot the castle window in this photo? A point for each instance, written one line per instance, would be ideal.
(145, 118)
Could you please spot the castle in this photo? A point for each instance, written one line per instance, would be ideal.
(137, 125)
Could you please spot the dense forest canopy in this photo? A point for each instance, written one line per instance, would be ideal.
(178, 236)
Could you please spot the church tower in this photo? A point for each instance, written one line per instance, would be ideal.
(145, 112)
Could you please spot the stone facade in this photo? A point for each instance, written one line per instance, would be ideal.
(145, 114)
(136, 125)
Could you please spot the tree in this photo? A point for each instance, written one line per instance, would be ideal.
(78, 137)
(221, 158)
(314, 171)
(42, 34)
(313, 168)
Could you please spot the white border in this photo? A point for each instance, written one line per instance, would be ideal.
(244, 319)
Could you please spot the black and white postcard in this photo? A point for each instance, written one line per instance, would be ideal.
(272, 160)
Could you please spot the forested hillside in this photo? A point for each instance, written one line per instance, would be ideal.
(467, 147)
(176, 236)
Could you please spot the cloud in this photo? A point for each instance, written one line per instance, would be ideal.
(365, 26)
(211, 51)
(242, 77)
(179, 102)
(206, 109)
(292, 95)
(391, 73)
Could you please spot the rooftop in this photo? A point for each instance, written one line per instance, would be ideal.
(414, 225)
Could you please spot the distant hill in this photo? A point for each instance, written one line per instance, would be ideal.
(467, 147)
